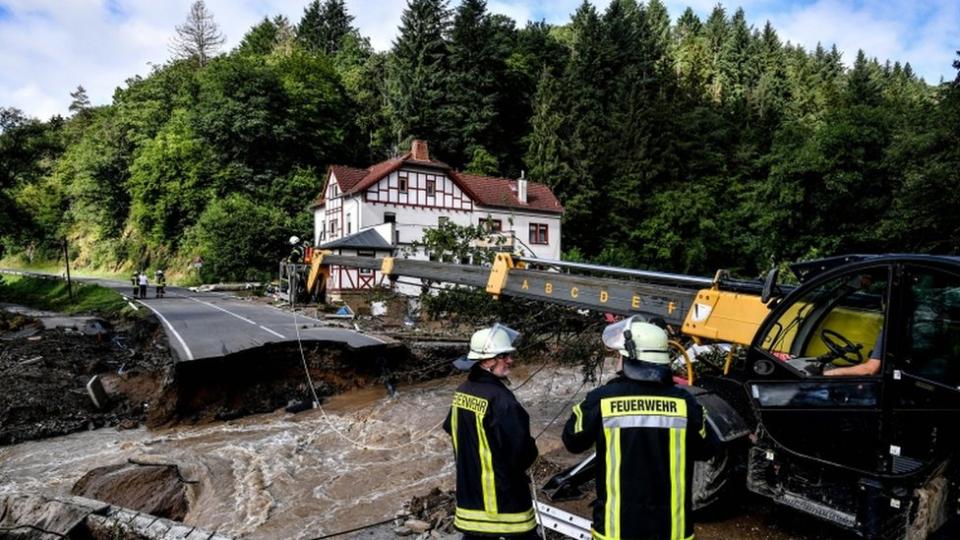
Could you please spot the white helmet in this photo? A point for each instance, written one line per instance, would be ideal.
(294, 240)
(638, 340)
(488, 343)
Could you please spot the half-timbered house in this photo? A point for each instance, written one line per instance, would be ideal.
(379, 210)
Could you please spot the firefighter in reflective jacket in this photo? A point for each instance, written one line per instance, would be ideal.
(491, 442)
(647, 434)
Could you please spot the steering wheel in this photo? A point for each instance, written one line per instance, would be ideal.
(841, 347)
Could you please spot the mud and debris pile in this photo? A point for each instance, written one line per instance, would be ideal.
(44, 374)
(431, 512)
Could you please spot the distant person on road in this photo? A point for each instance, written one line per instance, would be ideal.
(492, 443)
(161, 283)
(647, 434)
(142, 280)
(135, 281)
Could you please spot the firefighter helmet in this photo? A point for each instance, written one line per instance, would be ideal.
(635, 339)
(488, 343)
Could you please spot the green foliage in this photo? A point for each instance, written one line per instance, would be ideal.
(324, 27)
(267, 36)
(680, 147)
(54, 295)
(233, 249)
(418, 76)
(449, 242)
(171, 182)
(483, 163)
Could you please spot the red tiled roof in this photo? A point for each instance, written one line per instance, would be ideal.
(347, 177)
(485, 190)
(501, 192)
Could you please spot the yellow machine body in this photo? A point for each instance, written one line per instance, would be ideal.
(725, 316)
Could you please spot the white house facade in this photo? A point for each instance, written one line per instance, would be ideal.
(399, 199)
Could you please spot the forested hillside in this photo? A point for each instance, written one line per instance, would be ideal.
(674, 143)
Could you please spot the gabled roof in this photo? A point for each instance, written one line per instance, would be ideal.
(353, 180)
(485, 190)
(502, 193)
(365, 239)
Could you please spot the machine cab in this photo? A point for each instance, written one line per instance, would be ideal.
(860, 365)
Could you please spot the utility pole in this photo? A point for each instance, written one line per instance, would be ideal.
(66, 261)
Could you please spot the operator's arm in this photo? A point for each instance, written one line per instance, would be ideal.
(579, 432)
(870, 367)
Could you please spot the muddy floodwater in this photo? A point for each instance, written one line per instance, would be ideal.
(355, 461)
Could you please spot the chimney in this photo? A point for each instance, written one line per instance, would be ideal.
(419, 150)
(522, 188)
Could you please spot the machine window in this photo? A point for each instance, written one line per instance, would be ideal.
(931, 344)
(836, 324)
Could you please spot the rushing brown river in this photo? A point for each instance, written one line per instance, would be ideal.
(353, 462)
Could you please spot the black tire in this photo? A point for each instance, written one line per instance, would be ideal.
(718, 478)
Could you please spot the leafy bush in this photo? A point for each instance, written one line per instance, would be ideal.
(238, 239)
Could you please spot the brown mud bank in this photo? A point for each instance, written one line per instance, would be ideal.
(44, 374)
(279, 376)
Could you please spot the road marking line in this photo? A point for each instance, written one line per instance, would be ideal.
(172, 329)
(242, 318)
(281, 336)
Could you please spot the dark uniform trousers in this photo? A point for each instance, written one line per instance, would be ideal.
(491, 438)
(647, 434)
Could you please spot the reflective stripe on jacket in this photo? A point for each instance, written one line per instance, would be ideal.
(491, 439)
(647, 435)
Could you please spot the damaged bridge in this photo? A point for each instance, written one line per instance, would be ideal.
(208, 325)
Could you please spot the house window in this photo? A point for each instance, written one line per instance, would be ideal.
(333, 228)
(389, 217)
(431, 188)
(538, 233)
(333, 190)
(402, 179)
(370, 254)
(349, 224)
(491, 225)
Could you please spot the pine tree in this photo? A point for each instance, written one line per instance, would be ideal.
(475, 64)
(715, 33)
(266, 36)
(80, 102)
(547, 151)
(418, 76)
(198, 38)
(587, 76)
(690, 56)
(323, 27)
(309, 29)
(862, 86)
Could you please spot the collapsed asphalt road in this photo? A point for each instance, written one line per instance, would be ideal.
(203, 325)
